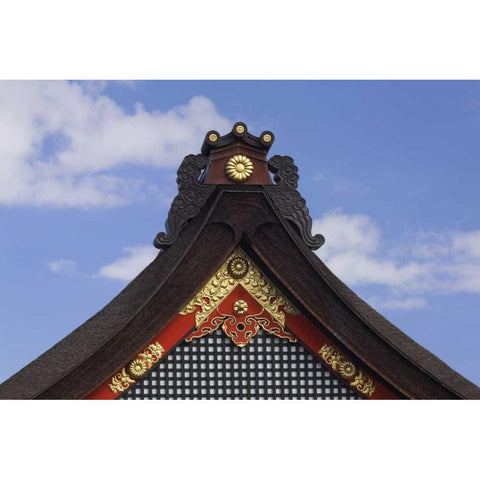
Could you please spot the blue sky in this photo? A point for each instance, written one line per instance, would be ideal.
(389, 171)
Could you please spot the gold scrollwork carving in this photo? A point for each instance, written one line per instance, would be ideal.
(364, 384)
(223, 282)
(347, 370)
(136, 368)
(120, 382)
(331, 356)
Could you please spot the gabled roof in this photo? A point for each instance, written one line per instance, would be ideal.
(219, 208)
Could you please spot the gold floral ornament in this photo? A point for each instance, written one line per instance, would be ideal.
(239, 168)
(240, 307)
(237, 267)
(347, 370)
(136, 368)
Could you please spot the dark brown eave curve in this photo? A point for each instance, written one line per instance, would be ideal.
(395, 357)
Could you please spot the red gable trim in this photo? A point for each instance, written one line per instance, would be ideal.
(330, 354)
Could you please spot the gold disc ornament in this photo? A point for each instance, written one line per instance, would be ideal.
(237, 267)
(137, 368)
(240, 307)
(239, 168)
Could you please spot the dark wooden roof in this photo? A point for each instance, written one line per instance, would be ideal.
(205, 224)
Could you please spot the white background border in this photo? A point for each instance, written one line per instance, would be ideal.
(220, 40)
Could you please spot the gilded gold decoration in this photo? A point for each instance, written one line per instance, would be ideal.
(267, 138)
(156, 349)
(239, 168)
(256, 284)
(364, 384)
(120, 382)
(240, 331)
(206, 328)
(240, 307)
(136, 368)
(347, 370)
(213, 137)
(242, 335)
(237, 267)
(274, 328)
(240, 129)
(331, 356)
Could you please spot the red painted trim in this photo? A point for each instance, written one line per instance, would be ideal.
(170, 336)
(312, 337)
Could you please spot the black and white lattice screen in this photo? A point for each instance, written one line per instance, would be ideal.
(213, 367)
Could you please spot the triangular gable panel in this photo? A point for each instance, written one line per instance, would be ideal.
(244, 315)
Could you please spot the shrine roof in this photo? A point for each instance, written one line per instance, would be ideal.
(231, 196)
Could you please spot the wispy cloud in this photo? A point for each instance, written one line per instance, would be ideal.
(62, 266)
(341, 185)
(431, 263)
(130, 265)
(407, 303)
(66, 142)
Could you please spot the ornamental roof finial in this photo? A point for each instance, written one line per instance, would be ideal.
(237, 157)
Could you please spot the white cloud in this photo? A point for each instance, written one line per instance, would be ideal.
(62, 266)
(128, 267)
(408, 303)
(63, 143)
(432, 263)
(467, 243)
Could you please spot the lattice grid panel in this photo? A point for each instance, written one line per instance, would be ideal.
(212, 367)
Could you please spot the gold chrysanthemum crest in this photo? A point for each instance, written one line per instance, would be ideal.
(137, 368)
(239, 168)
(237, 267)
(347, 370)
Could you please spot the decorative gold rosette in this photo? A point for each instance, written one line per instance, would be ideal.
(347, 370)
(137, 368)
(240, 307)
(239, 168)
(237, 267)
